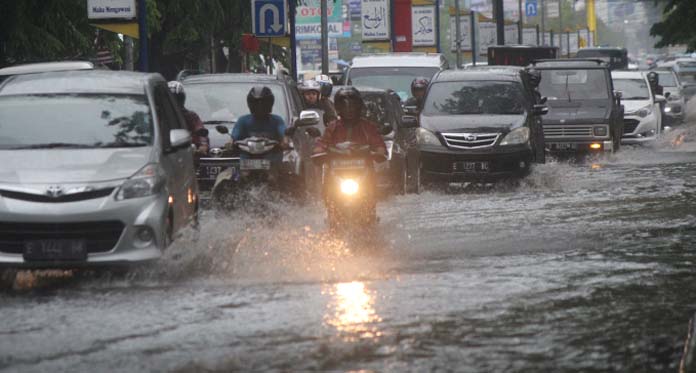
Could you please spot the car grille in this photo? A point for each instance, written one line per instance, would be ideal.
(470, 140)
(100, 236)
(630, 125)
(561, 132)
(73, 197)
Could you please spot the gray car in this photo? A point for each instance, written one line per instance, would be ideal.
(97, 169)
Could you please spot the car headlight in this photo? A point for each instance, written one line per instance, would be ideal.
(425, 137)
(668, 109)
(600, 131)
(516, 136)
(146, 182)
(643, 112)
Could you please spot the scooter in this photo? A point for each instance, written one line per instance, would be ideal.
(348, 179)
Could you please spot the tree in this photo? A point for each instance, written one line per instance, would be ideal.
(677, 25)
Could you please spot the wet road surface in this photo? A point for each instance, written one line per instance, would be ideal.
(581, 267)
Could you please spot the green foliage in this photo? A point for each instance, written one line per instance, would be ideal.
(677, 26)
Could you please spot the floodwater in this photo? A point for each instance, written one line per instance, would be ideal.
(579, 267)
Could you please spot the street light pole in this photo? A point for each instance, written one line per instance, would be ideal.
(144, 65)
(458, 30)
(499, 21)
(519, 28)
(324, 37)
(543, 21)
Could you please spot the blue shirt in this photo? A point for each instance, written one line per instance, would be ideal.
(272, 127)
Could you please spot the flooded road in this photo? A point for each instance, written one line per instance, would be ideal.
(580, 267)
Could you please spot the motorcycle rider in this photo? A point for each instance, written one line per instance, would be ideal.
(260, 122)
(657, 89)
(534, 79)
(193, 121)
(314, 99)
(418, 87)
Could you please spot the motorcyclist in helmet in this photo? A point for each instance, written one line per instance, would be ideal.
(261, 122)
(534, 79)
(657, 89)
(314, 99)
(418, 87)
(193, 121)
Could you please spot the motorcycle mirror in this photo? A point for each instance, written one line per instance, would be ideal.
(308, 118)
(667, 94)
(543, 100)
(222, 129)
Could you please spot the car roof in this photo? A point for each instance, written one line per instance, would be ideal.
(405, 59)
(505, 74)
(232, 78)
(627, 75)
(568, 63)
(81, 81)
(32, 68)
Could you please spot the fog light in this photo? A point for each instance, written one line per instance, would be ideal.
(349, 187)
(600, 131)
(595, 146)
(145, 234)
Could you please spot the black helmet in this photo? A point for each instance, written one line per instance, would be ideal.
(260, 100)
(420, 83)
(653, 78)
(534, 77)
(348, 102)
(177, 90)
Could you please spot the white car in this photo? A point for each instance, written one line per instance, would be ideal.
(642, 116)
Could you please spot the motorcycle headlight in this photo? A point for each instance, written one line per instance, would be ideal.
(349, 187)
(516, 136)
(143, 183)
(425, 137)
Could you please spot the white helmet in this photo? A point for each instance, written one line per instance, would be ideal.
(325, 83)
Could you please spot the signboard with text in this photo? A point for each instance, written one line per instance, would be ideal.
(423, 25)
(375, 20)
(111, 9)
(308, 20)
(465, 28)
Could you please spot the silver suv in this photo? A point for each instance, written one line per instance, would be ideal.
(97, 168)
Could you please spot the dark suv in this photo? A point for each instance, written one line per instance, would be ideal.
(219, 99)
(585, 115)
(478, 125)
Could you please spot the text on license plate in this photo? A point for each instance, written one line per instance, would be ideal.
(210, 172)
(255, 164)
(471, 166)
(58, 249)
(562, 146)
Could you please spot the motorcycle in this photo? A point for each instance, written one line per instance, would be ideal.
(348, 179)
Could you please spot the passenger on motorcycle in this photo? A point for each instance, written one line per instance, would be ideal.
(193, 121)
(418, 87)
(261, 122)
(315, 97)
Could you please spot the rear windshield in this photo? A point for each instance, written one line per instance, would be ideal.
(75, 121)
(474, 97)
(225, 102)
(574, 85)
(632, 89)
(396, 78)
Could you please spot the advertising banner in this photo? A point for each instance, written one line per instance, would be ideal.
(423, 25)
(375, 20)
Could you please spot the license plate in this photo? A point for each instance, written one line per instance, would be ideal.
(210, 172)
(562, 146)
(471, 167)
(347, 163)
(255, 164)
(55, 250)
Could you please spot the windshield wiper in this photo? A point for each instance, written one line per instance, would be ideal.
(120, 145)
(218, 121)
(54, 145)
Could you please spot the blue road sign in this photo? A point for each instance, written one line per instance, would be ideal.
(531, 8)
(269, 17)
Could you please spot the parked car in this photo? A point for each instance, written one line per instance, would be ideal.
(673, 90)
(219, 99)
(98, 169)
(477, 125)
(383, 107)
(42, 67)
(394, 71)
(642, 116)
(584, 113)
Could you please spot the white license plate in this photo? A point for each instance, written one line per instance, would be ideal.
(471, 167)
(255, 164)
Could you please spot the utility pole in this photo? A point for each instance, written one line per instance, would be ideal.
(560, 26)
(324, 37)
(519, 28)
(499, 21)
(543, 20)
(142, 31)
(293, 40)
(458, 30)
(474, 44)
(128, 60)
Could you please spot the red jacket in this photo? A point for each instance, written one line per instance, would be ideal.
(193, 122)
(364, 132)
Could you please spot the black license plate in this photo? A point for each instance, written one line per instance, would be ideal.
(471, 167)
(58, 249)
(210, 172)
(562, 146)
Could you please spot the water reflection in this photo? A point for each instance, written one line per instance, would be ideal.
(351, 309)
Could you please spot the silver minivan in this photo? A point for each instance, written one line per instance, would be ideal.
(96, 168)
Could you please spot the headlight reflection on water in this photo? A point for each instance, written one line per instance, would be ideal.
(352, 309)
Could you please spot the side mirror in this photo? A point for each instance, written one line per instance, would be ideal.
(660, 99)
(179, 138)
(543, 100)
(667, 94)
(201, 132)
(307, 118)
(222, 129)
(540, 110)
(386, 129)
(409, 121)
(618, 95)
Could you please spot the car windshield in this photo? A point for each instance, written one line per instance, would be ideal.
(632, 89)
(667, 79)
(75, 121)
(396, 78)
(574, 85)
(474, 97)
(226, 101)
